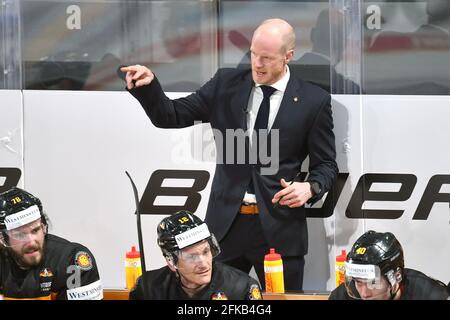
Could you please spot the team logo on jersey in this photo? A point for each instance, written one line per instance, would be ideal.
(255, 294)
(45, 280)
(46, 273)
(219, 296)
(83, 260)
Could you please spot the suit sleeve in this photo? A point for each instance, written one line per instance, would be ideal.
(176, 113)
(322, 150)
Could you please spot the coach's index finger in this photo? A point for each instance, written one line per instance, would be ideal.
(128, 68)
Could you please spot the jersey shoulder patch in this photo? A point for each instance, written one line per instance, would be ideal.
(83, 260)
(254, 292)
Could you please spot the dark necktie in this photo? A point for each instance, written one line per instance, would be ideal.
(262, 118)
(261, 122)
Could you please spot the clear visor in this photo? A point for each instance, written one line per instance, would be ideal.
(207, 249)
(366, 282)
(24, 233)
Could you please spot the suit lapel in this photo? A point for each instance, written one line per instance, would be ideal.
(239, 102)
(291, 99)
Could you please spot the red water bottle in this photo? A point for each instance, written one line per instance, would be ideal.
(340, 268)
(273, 271)
(133, 268)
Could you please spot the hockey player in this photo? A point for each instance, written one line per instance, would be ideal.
(37, 265)
(375, 270)
(191, 273)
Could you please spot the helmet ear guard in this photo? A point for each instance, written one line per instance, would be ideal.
(399, 275)
(3, 239)
(394, 277)
(170, 262)
(214, 244)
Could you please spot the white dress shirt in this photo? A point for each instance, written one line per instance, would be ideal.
(256, 97)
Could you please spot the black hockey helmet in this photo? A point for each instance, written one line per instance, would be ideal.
(374, 259)
(182, 230)
(379, 249)
(16, 201)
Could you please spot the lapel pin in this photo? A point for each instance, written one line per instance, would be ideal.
(295, 99)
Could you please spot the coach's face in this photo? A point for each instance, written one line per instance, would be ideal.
(269, 56)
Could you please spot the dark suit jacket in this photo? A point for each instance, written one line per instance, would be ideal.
(305, 127)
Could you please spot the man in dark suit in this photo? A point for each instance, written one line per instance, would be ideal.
(251, 209)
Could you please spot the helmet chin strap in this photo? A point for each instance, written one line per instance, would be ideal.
(394, 278)
(394, 293)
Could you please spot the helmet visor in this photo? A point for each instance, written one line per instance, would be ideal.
(364, 281)
(211, 250)
(24, 233)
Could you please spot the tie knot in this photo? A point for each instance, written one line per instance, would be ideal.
(267, 91)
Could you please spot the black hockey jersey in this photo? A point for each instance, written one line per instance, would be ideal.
(414, 286)
(227, 283)
(67, 271)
